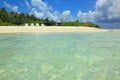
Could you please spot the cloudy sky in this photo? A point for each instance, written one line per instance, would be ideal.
(103, 12)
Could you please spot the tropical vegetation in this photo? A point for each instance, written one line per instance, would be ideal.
(14, 18)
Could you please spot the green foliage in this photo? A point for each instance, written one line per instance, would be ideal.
(4, 23)
(13, 18)
(77, 23)
(90, 24)
(3, 15)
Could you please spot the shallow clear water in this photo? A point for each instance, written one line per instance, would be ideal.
(60, 56)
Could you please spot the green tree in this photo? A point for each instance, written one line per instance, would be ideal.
(3, 15)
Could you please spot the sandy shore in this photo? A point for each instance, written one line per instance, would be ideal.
(23, 29)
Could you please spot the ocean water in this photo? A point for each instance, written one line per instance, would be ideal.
(60, 56)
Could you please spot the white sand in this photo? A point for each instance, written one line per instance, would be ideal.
(23, 29)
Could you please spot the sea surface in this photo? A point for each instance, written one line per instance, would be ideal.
(60, 56)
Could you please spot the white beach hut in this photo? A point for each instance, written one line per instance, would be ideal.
(32, 25)
(37, 24)
(42, 24)
(26, 24)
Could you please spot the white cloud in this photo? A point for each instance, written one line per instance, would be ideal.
(66, 15)
(36, 13)
(27, 4)
(52, 16)
(56, 16)
(105, 11)
(84, 17)
(42, 10)
(11, 7)
(7, 5)
(15, 8)
(41, 5)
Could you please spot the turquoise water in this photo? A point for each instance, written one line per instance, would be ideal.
(60, 56)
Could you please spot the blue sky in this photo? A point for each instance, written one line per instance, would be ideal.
(59, 5)
(103, 12)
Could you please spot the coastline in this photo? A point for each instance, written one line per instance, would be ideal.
(47, 29)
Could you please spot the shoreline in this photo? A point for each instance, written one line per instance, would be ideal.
(47, 29)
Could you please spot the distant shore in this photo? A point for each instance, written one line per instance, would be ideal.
(46, 29)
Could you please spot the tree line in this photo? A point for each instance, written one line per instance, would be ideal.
(14, 18)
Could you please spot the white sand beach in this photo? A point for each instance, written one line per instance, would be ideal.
(23, 29)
